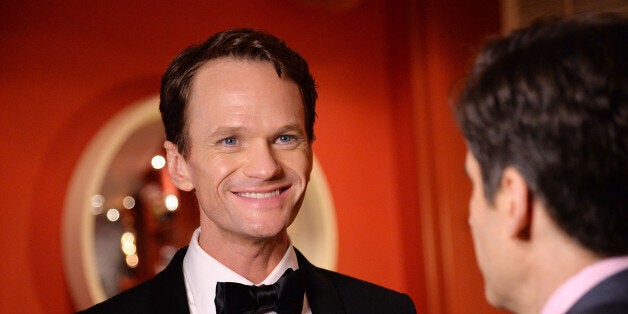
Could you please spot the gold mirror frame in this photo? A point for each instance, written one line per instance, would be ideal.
(314, 231)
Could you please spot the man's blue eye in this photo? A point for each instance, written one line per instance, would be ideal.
(285, 138)
(230, 141)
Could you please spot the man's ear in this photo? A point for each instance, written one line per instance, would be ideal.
(177, 167)
(518, 203)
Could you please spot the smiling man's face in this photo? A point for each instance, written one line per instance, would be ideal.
(250, 159)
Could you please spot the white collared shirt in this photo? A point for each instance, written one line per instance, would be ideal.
(201, 273)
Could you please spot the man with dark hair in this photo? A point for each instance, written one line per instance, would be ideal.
(545, 116)
(239, 115)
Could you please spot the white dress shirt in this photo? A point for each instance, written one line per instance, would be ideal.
(202, 272)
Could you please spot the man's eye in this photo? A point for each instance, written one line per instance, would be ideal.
(285, 139)
(230, 141)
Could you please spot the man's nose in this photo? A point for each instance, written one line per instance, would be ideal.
(261, 162)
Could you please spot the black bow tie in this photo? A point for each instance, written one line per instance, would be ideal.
(284, 297)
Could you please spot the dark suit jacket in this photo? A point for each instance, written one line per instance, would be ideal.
(327, 293)
(609, 297)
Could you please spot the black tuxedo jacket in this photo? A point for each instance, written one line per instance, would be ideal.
(327, 293)
(609, 297)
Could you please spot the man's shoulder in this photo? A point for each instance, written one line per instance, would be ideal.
(359, 296)
(128, 301)
(332, 292)
(163, 293)
(358, 286)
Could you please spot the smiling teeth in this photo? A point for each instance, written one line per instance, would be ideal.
(259, 195)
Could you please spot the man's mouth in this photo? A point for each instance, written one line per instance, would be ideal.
(260, 195)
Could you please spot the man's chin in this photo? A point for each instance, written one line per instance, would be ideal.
(494, 299)
(267, 232)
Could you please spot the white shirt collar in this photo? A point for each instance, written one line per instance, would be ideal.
(202, 272)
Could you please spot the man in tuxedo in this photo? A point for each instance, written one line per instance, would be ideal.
(545, 116)
(239, 113)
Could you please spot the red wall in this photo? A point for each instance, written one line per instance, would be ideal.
(385, 138)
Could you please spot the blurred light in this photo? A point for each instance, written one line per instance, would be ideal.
(98, 200)
(129, 248)
(96, 211)
(127, 244)
(132, 260)
(113, 214)
(128, 202)
(172, 202)
(127, 237)
(158, 162)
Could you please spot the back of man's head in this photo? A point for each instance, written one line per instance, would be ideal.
(551, 100)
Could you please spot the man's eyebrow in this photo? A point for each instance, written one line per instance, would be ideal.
(291, 127)
(226, 131)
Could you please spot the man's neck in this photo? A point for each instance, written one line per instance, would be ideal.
(553, 263)
(253, 259)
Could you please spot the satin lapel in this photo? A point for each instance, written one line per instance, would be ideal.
(321, 292)
(168, 293)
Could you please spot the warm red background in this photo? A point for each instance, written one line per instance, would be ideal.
(385, 136)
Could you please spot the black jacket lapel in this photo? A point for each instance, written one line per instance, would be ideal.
(321, 293)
